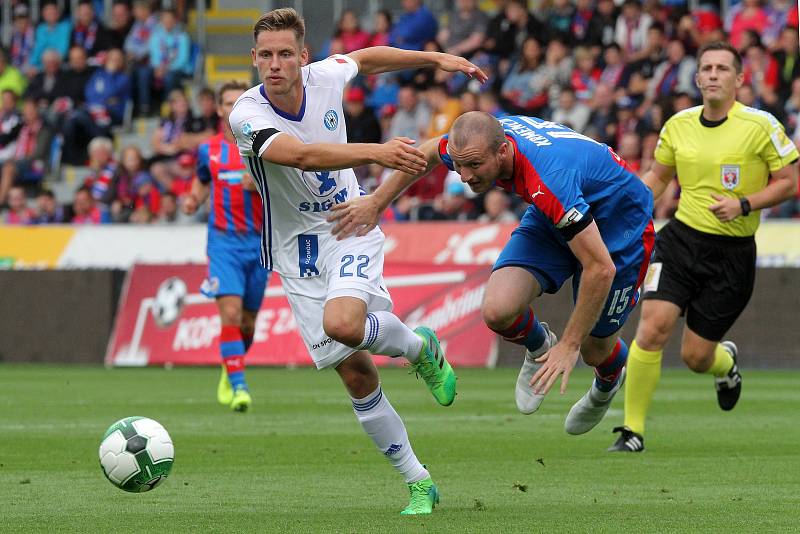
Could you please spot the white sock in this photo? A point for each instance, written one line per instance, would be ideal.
(385, 333)
(387, 430)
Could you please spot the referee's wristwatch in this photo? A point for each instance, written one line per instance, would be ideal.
(745, 204)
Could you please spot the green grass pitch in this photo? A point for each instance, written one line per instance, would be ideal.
(299, 461)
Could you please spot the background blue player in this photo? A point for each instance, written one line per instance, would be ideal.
(589, 219)
(235, 277)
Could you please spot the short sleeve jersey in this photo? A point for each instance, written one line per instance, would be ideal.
(734, 158)
(235, 211)
(566, 176)
(296, 203)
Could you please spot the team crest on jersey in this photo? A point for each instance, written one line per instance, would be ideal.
(730, 176)
(331, 120)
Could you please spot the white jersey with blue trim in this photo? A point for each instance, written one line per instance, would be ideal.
(296, 203)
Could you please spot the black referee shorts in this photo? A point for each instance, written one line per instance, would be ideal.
(710, 277)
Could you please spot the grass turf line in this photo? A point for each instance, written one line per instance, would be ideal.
(299, 461)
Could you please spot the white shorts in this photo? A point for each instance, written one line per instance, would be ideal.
(352, 267)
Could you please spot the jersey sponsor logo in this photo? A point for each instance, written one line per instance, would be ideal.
(730, 176)
(570, 217)
(247, 129)
(317, 207)
(326, 183)
(232, 177)
(782, 143)
(331, 120)
(308, 252)
(326, 341)
(340, 60)
(210, 287)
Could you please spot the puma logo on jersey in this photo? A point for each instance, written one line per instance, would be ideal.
(537, 193)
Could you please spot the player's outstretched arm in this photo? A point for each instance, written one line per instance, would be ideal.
(197, 195)
(658, 177)
(598, 274)
(377, 59)
(359, 215)
(398, 153)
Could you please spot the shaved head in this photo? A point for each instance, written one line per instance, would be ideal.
(476, 126)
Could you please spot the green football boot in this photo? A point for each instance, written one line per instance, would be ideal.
(224, 389)
(241, 400)
(432, 366)
(424, 497)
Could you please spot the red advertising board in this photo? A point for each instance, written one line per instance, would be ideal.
(164, 320)
(445, 243)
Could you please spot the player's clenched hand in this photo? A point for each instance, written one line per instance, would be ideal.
(558, 360)
(190, 204)
(400, 154)
(451, 63)
(726, 208)
(355, 217)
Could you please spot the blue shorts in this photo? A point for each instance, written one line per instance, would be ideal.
(234, 269)
(538, 247)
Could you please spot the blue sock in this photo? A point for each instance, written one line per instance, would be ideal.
(607, 373)
(231, 347)
(526, 330)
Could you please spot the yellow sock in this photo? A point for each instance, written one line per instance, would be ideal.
(644, 371)
(722, 362)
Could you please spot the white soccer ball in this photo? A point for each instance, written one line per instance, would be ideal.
(136, 454)
(168, 302)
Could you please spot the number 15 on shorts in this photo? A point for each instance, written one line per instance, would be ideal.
(619, 303)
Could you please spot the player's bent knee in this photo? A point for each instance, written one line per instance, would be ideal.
(346, 332)
(497, 316)
(697, 362)
(652, 336)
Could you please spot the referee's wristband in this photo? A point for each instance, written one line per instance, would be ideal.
(745, 204)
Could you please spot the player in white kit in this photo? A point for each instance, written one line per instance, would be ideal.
(290, 129)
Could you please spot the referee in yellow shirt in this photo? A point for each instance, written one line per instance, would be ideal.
(705, 258)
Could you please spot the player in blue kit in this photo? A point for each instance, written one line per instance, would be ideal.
(589, 220)
(235, 276)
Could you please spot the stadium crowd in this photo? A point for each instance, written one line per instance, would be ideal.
(613, 71)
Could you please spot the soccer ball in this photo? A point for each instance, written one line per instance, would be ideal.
(168, 303)
(136, 454)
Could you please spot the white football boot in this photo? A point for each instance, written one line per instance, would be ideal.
(591, 408)
(528, 401)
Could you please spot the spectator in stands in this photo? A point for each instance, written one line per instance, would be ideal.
(602, 125)
(18, 211)
(496, 208)
(23, 38)
(29, 162)
(84, 210)
(121, 23)
(102, 169)
(71, 90)
(362, 124)
(614, 66)
(526, 87)
(170, 59)
(168, 141)
(585, 75)
(444, 110)
(674, 75)
(412, 116)
(168, 210)
(48, 210)
(122, 194)
(381, 29)
(650, 57)
(631, 30)
(602, 27)
(10, 125)
(466, 29)
(489, 103)
(349, 32)
(627, 121)
(787, 57)
(137, 48)
(791, 108)
(581, 21)
(451, 205)
(415, 27)
(630, 149)
(559, 20)
(761, 73)
(468, 101)
(90, 34)
(570, 111)
(10, 77)
(107, 94)
(508, 30)
(47, 84)
(748, 15)
(51, 33)
(557, 68)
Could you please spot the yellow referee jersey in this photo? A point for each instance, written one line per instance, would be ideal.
(733, 158)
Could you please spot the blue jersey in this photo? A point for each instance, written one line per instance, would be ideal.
(570, 179)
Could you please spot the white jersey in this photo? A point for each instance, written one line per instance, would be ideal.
(296, 203)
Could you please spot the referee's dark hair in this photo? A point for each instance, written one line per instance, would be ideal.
(722, 45)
